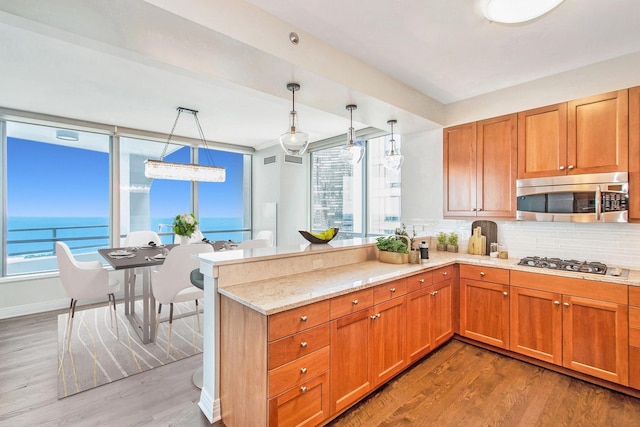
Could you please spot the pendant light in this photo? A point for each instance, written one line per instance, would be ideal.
(293, 141)
(518, 11)
(353, 152)
(160, 169)
(392, 158)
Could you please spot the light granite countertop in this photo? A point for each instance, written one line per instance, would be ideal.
(286, 292)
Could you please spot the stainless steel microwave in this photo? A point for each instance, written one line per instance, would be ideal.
(601, 197)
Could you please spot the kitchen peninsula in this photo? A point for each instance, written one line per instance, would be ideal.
(279, 313)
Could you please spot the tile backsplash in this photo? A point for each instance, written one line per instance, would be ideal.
(612, 243)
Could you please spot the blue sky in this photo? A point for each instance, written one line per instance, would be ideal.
(53, 180)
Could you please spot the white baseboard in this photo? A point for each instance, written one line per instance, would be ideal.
(209, 407)
(38, 307)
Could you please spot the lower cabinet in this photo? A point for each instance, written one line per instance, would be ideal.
(581, 327)
(304, 405)
(367, 349)
(484, 305)
(634, 337)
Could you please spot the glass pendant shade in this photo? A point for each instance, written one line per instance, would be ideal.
(392, 159)
(518, 11)
(353, 152)
(159, 169)
(294, 141)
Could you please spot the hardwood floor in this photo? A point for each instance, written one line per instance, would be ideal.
(463, 385)
(459, 384)
(163, 396)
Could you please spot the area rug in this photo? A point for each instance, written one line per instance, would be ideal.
(98, 357)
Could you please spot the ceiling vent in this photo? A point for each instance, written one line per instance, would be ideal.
(292, 159)
(269, 160)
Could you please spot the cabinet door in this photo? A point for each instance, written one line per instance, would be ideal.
(350, 359)
(484, 312)
(460, 170)
(419, 323)
(542, 141)
(388, 332)
(536, 324)
(304, 405)
(597, 135)
(634, 154)
(496, 168)
(596, 338)
(441, 312)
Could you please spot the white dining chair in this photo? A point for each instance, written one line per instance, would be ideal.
(265, 234)
(172, 284)
(141, 238)
(84, 280)
(253, 244)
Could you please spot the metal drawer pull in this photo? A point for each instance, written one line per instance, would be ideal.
(355, 302)
(375, 316)
(566, 304)
(482, 273)
(570, 167)
(556, 302)
(434, 293)
(505, 293)
(561, 168)
(303, 370)
(392, 290)
(421, 280)
(303, 389)
(444, 273)
(303, 344)
(303, 318)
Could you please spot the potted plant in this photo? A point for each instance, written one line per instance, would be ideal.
(393, 249)
(184, 225)
(442, 241)
(452, 242)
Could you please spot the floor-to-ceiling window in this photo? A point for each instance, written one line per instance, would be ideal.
(361, 200)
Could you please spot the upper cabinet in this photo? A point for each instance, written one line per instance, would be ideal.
(480, 168)
(589, 135)
(634, 154)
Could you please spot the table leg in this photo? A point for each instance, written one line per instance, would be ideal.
(149, 310)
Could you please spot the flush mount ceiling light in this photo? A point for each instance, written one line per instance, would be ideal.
(66, 135)
(517, 11)
(294, 142)
(392, 158)
(160, 169)
(353, 152)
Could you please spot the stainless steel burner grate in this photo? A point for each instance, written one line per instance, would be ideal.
(561, 264)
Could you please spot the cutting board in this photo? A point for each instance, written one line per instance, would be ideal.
(489, 230)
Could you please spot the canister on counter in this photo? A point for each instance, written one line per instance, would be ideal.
(424, 251)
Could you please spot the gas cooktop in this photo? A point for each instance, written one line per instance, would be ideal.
(570, 265)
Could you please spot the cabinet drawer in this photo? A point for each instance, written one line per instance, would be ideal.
(634, 295)
(298, 319)
(303, 405)
(350, 303)
(292, 347)
(389, 290)
(443, 273)
(291, 374)
(419, 281)
(484, 274)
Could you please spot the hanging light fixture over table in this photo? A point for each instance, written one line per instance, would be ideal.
(392, 158)
(160, 169)
(294, 141)
(518, 11)
(353, 152)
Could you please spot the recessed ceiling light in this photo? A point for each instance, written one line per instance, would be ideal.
(517, 11)
(66, 135)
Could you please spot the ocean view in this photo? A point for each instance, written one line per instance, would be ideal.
(34, 236)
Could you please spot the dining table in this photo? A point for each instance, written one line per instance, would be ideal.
(132, 260)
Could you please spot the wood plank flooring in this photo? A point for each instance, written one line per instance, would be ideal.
(457, 385)
(463, 385)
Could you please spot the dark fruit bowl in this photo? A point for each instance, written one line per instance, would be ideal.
(313, 239)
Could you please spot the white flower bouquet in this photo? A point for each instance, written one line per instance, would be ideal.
(185, 224)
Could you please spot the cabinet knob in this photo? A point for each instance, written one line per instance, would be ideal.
(434, 293)
(570, 167)
(421, 280)
(505, 293)
(375, 316)
(303, 344)
(354, 302)
(473, 209)
(303, 389)
(556, 302)
(444, 273)
(392, 290)
(561, 168)
(303, 318)
(566, 304)
(482, 273)
(303, 370)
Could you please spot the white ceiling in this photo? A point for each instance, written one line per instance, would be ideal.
(131, 62)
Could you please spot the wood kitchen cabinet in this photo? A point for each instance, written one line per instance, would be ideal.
(634, 154)
(634, 337)
(588, 135)
(367, 348)
(484, 305)
(589, 319)
(480, 167)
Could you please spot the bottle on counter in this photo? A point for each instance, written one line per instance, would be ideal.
(424, 251)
